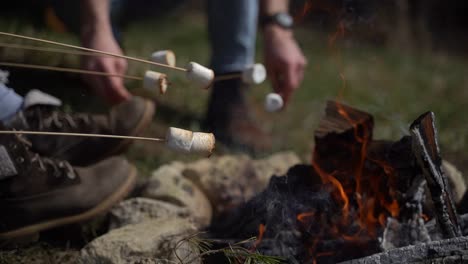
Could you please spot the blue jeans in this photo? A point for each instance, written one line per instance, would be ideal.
(10, 103)
(232, 25)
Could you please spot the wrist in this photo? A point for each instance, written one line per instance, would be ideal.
(273, 31)
(95, 18)
(91, 30)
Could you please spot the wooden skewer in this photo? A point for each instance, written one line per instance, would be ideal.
(228, 76)
(93, 51)
(80, 135)
(47, 49)
(59, 69)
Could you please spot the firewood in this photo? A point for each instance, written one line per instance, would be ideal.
(340, 119)
(340, 137)
(427, 153)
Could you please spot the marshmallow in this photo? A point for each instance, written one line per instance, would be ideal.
(186, 141)
(164, 57)
(273, 102)
(155, 81)
(200, 75)
(254, 74)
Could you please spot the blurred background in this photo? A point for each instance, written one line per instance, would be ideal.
(395, 59)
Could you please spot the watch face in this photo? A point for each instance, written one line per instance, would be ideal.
(284, 20)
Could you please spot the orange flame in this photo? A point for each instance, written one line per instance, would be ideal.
(261, 232)
(303, 12)
(328, 178)
(367, 201)
(304, 216)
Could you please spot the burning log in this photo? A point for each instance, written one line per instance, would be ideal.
(342, 135)
(427, 153)
(358, 197)
(340, 119)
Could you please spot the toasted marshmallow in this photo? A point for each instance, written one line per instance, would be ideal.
(254, 74)
(164, 57)
(273, 102)
(155, 81)
(186, 141)
(200, 75)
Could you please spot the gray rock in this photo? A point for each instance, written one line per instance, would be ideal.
(154, 241)
(277, 164)
(169, 185)
(137, 210)
(230, 180)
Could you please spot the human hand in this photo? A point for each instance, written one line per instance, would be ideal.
(284, 60)
(111, 89)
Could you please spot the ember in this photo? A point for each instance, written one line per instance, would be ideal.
(358, 197)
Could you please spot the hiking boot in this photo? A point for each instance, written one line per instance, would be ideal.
(38, 193)
(229, 118)
(128, 119)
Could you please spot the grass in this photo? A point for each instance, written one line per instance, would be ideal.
(393, 84)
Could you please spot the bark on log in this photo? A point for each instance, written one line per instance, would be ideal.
(427, 153)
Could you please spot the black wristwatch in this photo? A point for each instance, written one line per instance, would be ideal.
(281, 19)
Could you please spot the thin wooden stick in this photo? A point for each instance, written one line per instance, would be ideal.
(59, 69)
(228, 76)
(47, 49)
(42, 133)
(94, 51)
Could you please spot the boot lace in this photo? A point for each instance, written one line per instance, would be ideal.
(47, 119)
(57, 167)
(62, 120)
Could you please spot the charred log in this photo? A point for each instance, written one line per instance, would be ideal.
(340, 137)
(447, 251)
(427, 153)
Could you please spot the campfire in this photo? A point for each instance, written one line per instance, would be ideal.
(358, 197)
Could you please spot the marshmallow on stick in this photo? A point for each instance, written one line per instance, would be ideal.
(165, 57)
(155, 81)
(254, 74)
(186, 141)
(273, 102)
(200, 75)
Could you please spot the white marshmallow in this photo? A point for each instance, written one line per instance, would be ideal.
(155, 81)
(200, 75)
(186, 141)
(273, 102)
(203, 143)
(164, 57)
(254, 74)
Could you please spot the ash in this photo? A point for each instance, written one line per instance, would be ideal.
(296, 240)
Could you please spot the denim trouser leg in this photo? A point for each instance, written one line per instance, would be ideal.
(232, 25)
(10, 103)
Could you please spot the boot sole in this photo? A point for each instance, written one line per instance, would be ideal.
(140, 127)
(104, 206)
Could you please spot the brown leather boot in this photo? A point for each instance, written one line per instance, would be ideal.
(127, 119)
(38, 193)
(229, 118)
